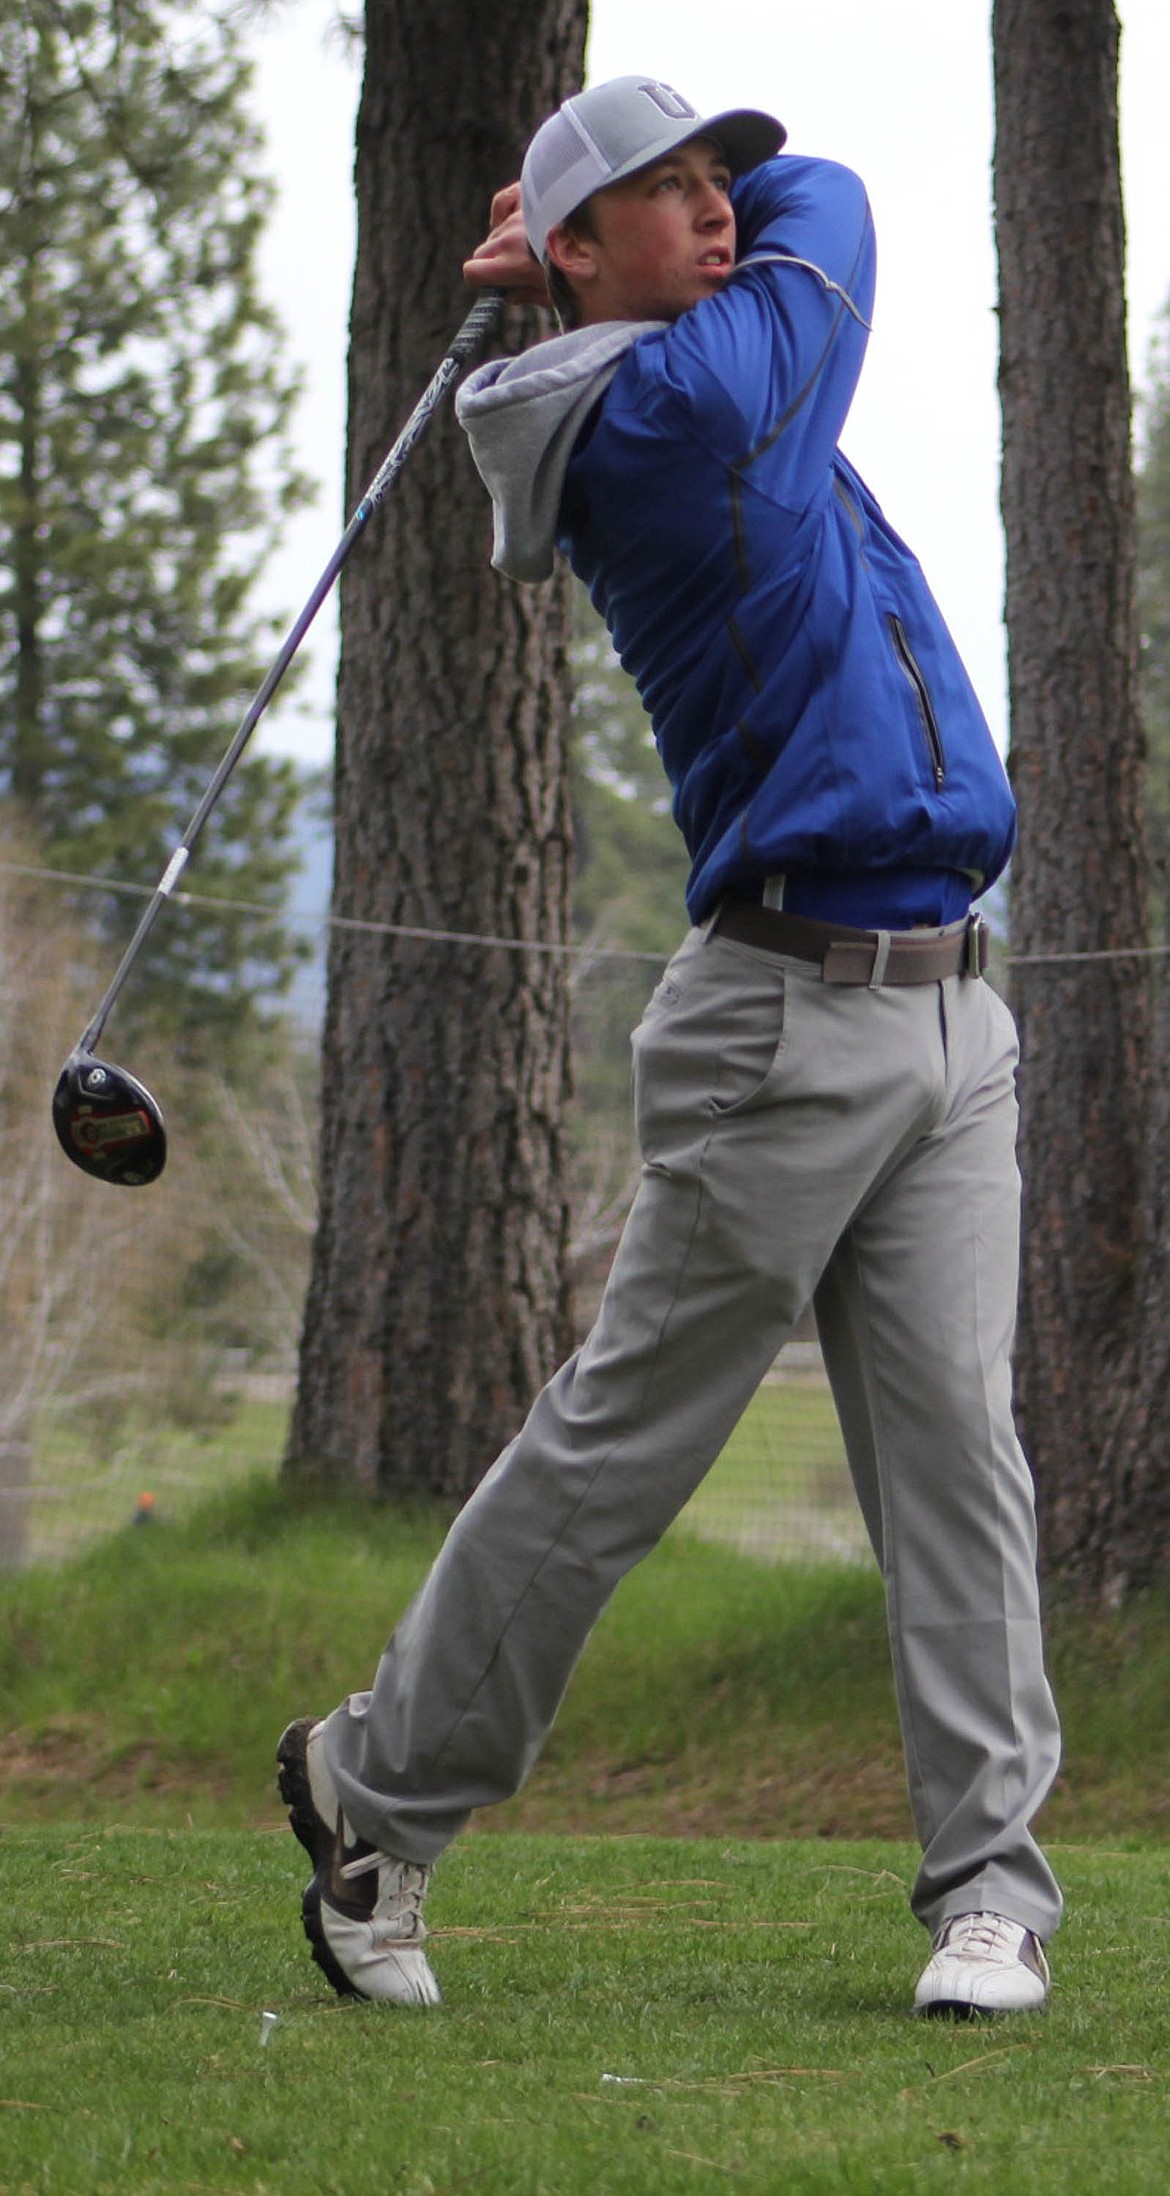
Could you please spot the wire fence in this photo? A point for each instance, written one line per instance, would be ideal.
(148, 1343)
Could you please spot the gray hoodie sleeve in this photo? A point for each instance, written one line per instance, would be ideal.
(522, 417)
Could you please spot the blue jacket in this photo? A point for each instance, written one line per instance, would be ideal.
(810, 707)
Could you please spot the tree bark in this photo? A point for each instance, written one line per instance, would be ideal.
(1124, 1539)
(1079, 881)
(438, 1300)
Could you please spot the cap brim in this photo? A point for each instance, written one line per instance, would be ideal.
(745, 136)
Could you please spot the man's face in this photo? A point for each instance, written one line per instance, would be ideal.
(661, 240)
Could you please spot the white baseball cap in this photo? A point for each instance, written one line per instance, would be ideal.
(614, 129)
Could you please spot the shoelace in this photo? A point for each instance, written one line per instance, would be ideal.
(363, 1864)
(989, 1936)
(406, 1902)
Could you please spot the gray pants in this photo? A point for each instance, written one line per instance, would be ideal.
(802, 1143)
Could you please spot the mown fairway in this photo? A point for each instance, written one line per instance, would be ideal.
(621, 2015)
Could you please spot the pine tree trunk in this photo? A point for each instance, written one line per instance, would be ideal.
(1079, 878)
(1124, 1543)
(438, 1299)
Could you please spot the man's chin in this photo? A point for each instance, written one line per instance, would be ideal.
(706, 285)
(711, 280)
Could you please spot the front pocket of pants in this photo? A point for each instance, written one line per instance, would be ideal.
(711, 1050)
(748, 1057)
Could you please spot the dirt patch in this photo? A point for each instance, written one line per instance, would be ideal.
(802, 1788)
(69, 1767)
(797, 1795)
(64, 1753)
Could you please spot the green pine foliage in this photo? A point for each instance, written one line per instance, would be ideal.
(144, 472)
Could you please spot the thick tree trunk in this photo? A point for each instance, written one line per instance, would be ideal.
(1079, 878)
(437, 1300)
(1124, 1541)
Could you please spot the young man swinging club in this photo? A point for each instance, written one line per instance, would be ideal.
(824, 1084)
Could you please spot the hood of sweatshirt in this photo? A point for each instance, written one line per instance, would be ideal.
(522, 417)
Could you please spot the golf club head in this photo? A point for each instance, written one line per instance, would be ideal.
(107, 1123)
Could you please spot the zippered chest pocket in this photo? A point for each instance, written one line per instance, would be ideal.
(921, 692)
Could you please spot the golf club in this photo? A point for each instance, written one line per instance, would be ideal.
(107, 1122)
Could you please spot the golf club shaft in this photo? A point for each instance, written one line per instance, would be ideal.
(475, 329)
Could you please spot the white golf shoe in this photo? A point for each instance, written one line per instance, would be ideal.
(983, 1963)
(363, 1909)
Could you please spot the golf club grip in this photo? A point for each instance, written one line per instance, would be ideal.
(474, 330)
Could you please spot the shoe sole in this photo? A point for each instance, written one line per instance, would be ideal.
(293, 1779)
(292, 1776)
(319, 1946)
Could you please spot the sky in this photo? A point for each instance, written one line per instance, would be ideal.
(900, 91)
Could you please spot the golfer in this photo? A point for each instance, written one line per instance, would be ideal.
(824, 1084)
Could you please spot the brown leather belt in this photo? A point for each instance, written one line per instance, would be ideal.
(870, 957)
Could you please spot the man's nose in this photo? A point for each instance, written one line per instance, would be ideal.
(714, 207)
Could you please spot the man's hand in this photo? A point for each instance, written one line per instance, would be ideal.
(504, 260)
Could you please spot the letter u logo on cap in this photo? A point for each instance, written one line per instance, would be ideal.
(669, 102)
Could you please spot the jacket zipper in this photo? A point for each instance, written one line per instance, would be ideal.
(849, 507)
(909, 663)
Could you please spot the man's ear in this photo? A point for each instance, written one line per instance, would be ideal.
(573, 254)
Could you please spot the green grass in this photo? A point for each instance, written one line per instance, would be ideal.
(156, 1670)
(621, 2015)
(148, 1679)
(748, 1982)
(781, 1487)
(83, 1489)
